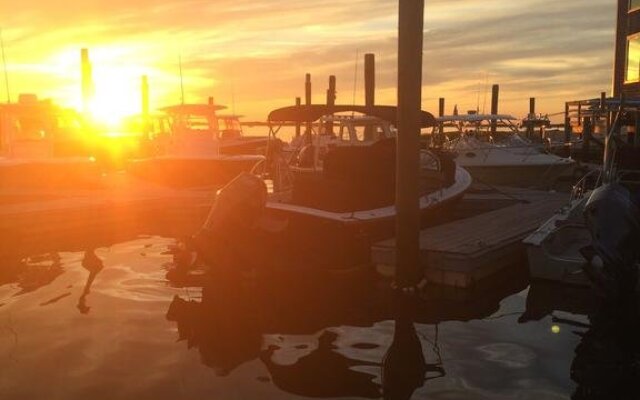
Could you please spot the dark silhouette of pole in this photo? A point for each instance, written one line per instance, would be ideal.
(87, 79)
(441, 111)
(298, 103)
(144, 88)
(331, 101)
(369, 88)
(495, 94)
(532, 116)
(307, 101)
(410, 33)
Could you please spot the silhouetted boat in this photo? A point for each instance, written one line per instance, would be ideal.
(342, 208)
(187, 149)
(42, 145)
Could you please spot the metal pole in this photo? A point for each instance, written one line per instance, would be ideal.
(410, 37)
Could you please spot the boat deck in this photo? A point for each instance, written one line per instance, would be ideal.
(467, 250)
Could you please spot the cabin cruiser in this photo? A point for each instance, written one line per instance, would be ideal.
(326, 218)
(503, 158)
(42, 145)
(186, 147)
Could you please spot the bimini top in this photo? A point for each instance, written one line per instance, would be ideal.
(314, 112)
(193, 109)
(476, 118)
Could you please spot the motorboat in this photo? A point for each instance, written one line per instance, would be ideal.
(186, 149)
(233, 140)
(501, 158)
(327, 218)
(44, 146)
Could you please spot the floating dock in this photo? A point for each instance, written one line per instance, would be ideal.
(472, 248)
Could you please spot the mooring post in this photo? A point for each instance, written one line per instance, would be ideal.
(298, 104)
(331, 101)
(144, 91)
(441, 108)
(369, 88)
(567, 124)
(86, 80)
(532, 116)
(604, 112)
(495, 93)
(587, 131)
(307, 101)
(410, 33)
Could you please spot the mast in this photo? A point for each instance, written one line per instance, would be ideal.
(4, 64)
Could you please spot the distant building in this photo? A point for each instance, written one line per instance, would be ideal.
(627, 53)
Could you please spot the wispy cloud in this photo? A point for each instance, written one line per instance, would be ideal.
(260, 50)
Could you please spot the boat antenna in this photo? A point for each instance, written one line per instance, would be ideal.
(181, 79)
(4, 64)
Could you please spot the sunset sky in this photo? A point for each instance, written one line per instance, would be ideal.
(258, 51)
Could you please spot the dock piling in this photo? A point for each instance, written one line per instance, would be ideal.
(331, 101)
(369, 88)
(307, 101)
(410, 40)
(298, 104)
(495, 93)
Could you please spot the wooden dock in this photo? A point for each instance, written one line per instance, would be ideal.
(465, 251)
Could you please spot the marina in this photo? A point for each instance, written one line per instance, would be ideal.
(186, 214)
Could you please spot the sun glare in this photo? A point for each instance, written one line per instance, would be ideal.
(115, 97)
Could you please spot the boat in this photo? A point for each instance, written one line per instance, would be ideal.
(593, 241)
(186, 149)
(44, 146)
(503, 158)
(234, 141)
(328, 218)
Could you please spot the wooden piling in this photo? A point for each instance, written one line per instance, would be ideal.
(587, 133)
(144, 90)
(307, 101)
(495, 93)
(298, 104)
(567, 124)
(369, 88)
(441, 111)
(331, 101)
(410, 36)
(532, 116)
(86, 79)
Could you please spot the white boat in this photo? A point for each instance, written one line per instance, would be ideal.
(187, 147)
(554, 249)
(42, 145)
(345, 206)
(505, 158)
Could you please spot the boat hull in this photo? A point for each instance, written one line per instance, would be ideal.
(317, 238)
(538, 176)
(192, 172)
(78, 173)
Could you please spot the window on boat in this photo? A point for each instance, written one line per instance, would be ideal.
(634, 5)
(633, 59)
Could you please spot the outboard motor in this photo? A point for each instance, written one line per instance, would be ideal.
(237, 208)
(613, 219)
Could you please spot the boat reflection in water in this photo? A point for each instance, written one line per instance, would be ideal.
(607, 359)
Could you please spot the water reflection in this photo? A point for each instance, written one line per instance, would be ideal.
(92, 263)
(404, 368)
(607, 360)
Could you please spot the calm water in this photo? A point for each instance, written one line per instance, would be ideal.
(106, 324)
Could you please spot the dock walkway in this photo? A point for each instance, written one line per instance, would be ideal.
(463, 252)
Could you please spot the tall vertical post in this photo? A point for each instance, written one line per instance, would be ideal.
(441, 110)
(567, 124)
(144, 106)
(331, 101)
(410, 36)
(532, 117)
(298, 104)
(369, 88)
(144, 90)
(495, 94)
(87, 79)
(307, 101)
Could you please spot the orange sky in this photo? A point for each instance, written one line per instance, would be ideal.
(258, 51)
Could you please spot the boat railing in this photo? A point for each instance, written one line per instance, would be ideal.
(588, 182)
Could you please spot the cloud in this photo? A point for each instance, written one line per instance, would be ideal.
(258, 51)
